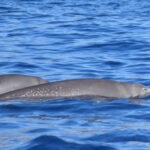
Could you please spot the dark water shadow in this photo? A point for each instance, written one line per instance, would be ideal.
(54, 143)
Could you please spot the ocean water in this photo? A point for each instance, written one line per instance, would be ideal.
(67, 39)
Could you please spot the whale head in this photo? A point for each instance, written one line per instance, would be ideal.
(139, 90)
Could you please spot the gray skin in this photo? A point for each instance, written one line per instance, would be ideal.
(79, 88)
(11, 82)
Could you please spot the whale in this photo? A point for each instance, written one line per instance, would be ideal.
(11, 82)
(80, 88)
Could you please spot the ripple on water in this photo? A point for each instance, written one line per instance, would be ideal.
(69, 39)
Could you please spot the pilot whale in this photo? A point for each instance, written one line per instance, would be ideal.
(77, 88)
(11, 82)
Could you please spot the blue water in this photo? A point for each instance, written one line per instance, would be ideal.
(68, 39)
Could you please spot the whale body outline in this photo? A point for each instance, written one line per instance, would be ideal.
(77, 88)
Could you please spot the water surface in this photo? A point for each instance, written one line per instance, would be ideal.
(59, 40)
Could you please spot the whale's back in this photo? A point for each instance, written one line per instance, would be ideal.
(11, 82)
(75, 88)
